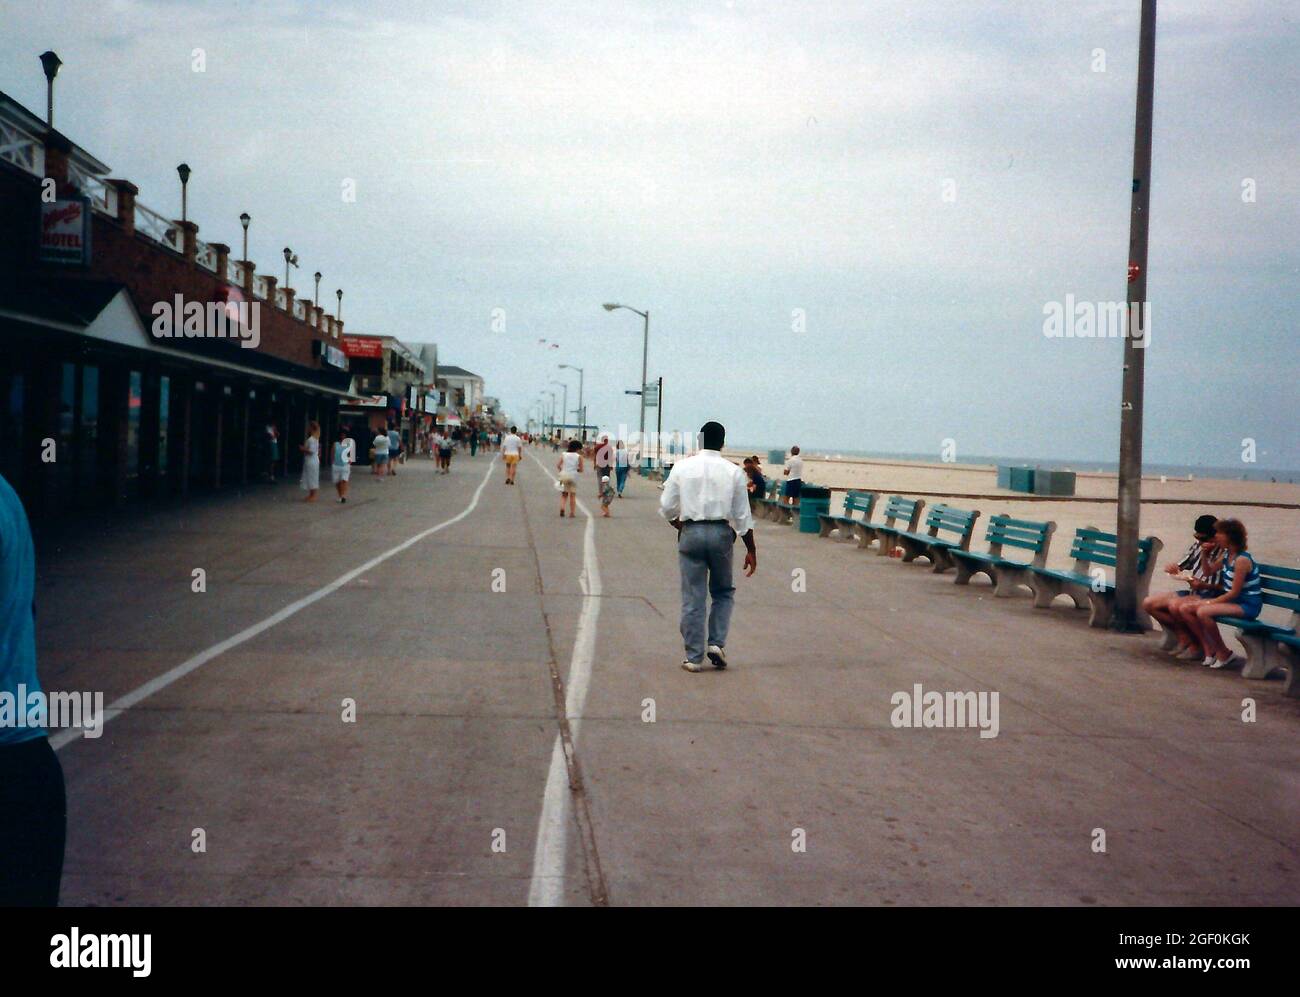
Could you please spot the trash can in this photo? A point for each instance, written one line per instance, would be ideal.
(1053, 482)
(1022, 479)
(813, 500)
(646, 464)
(776, 456)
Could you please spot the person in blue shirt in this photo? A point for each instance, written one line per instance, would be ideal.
(1243, 594)
(33, 807)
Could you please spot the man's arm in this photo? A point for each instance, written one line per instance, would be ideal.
(670, 502)
(743, 521)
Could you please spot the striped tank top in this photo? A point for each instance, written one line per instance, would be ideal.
(1250, 588)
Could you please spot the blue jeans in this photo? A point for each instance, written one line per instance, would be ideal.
(620, 478)
(704, 554)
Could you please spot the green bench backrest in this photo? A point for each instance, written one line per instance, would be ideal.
(1096, 547)
(856, 501)
(1023, 533)
(1281, 586)
(900, 508)
(950, 519)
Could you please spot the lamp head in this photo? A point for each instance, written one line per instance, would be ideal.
(244, 219)
(184, 171)
(50, 63)
(610, 307)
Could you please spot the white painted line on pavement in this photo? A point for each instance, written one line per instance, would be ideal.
(547, 887)
(160, 682)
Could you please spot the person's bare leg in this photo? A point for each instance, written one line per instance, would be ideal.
(1207, 614)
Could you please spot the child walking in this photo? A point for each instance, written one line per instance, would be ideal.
(607, 494)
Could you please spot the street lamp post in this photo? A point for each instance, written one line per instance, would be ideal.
(50, 63)
(290, 257)
(244, 219)
(1124, 615)
(552, 414)
(645, 355)
(564, 412)
(183, 171)
(582, 409)
(316, 300)
(338, 312)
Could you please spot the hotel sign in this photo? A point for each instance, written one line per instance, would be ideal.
(65, 231)
(357, 346)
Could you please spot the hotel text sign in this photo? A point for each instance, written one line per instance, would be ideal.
(65, 231)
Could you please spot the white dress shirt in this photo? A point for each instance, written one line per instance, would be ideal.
(794, 468)
(707, 486)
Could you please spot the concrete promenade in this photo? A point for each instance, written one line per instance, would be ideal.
(452, 786)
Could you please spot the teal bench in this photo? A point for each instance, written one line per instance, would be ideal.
(897, 510)
(784, 512)
(854, 501)
(1281, 588)
(1290, 648)
(1003, 531)
(946, 528)
(763, 505)
(1092, 590)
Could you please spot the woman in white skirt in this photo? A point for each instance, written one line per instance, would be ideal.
(310, 482)
(570, 466)
(345, 451)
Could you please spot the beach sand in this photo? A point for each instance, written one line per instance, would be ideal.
(1168, 508)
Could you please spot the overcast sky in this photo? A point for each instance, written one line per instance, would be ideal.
(767, 179)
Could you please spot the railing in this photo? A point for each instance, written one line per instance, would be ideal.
(259, 287)
(235, 273)
(103, 197)
(281, 299)
(21, 148)
(205, 256)
(154, 226)
(300, 309)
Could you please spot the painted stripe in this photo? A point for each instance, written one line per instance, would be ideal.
(547, 886)
(160, 682)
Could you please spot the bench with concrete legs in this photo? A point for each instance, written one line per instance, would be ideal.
(1087, 584)
(1281, 588)
(763, 504)
(901, 516)
(1290, 660)
(854, 501)
(946, 528)
(1005, 574)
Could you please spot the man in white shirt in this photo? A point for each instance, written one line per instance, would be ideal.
(793, 476)
(512, 448)
(705, 498)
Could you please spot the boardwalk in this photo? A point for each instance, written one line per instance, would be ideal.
(452, 785)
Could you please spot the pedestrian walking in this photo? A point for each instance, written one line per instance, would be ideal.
(344, 455)
(310, 481)
(394, 448)
(444, 453)
(622, 463)
(379, 455)
(272, 450)
(606, 495)
(33, 802)
(570, 466)
(706, 499)
(512, 450)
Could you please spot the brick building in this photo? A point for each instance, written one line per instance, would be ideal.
(99, 407)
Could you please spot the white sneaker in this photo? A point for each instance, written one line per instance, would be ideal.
(1210, 661)
(693, 666)
(717, 656)
(1234, 661)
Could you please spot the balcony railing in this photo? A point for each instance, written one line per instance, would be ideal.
(259, 287)
(235, 273)
(154, 226)
(205, 256)
(103, 198)
(23, 149)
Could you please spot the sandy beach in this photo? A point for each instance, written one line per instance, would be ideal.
(1270, 510)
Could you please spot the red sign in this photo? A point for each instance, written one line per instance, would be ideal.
(363, 346)
(65, 231)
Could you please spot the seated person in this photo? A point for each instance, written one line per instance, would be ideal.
(1201, 569)
(1243, 596)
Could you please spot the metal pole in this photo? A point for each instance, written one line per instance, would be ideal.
(659, 433)
(582, 408)
(645, 354)
(1130, 424)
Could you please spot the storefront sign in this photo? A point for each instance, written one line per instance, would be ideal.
(336, 357)
(65, 231)
(362, 346)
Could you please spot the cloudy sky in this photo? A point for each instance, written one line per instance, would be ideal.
(767, 178)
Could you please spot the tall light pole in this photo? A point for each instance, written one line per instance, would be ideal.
(290, 257)
(1124, 616)
(316, 300)
(582, 411)
(645, 355)
(564, 411)
(183, 171)
(50, 63)
(338, 313)
(552, 412)
(244, 219)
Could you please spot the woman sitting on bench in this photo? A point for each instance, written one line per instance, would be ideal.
(1244, 597)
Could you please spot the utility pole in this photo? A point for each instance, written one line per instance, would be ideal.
(1135, 343)
(659, 432)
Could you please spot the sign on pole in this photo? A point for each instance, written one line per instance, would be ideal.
(651, 395)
